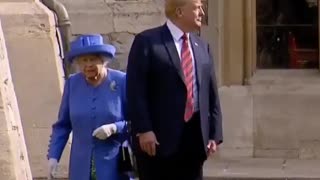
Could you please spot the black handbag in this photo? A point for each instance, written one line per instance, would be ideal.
(126, 158)
(127, 161)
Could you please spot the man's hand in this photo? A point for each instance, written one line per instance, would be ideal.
(148, 142)
(211, 147)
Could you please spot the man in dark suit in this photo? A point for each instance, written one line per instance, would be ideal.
(173, 102)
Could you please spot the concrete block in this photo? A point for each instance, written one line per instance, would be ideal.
(24, 8)
(236, 102)
(285, 113)
(215, 168)
(135, 23)
(275, 121)
(302, 169)
(120, 62)
(276, 153)
(309, 149)
(36, 72)
(243, 168)
(38, 93)
(30, 88)
(234, 152)
(133, 7)
(261, 168)
(122, 41)
(94, 23)
(84, 6)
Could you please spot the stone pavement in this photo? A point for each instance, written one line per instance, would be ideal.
(258, 169)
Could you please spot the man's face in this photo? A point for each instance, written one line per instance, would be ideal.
(191, 14)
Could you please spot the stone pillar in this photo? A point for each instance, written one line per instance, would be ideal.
(227, 33)
(11, 165)
(36, 69)
(213, 33)
(234, 42)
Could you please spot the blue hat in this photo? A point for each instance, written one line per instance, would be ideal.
(90, 44)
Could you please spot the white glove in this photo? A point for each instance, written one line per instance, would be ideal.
(52, 168)
(105, 131)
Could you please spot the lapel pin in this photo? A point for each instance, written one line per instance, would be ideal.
(113, 86)
(196, 44)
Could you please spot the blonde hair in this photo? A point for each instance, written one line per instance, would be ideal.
(171, 7)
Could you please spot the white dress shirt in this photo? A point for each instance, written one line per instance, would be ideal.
(177, 37)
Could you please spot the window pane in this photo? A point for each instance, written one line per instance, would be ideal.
(287, 34)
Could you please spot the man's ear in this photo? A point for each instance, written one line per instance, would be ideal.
(179, 12)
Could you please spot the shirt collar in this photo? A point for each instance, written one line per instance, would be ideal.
(176, 32)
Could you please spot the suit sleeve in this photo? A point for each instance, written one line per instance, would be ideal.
(215, 114)
(62, 128)
(137, 86)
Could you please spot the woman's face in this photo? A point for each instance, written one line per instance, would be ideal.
(90, 65)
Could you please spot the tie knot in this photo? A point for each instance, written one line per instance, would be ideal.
(184, 37)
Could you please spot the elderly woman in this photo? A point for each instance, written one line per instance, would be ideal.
(92, 108)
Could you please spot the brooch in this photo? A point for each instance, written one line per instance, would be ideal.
(113, 86)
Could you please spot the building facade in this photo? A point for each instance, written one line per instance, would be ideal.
(270, 99)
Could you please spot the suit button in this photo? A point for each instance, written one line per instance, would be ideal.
(94, 108)
(94, 99)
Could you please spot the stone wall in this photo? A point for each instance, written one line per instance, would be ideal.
(37, 77)
(117, 20)
(286, 114)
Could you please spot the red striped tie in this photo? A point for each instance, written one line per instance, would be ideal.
(187, 68)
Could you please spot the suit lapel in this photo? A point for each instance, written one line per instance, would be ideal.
(197, 56)
(172, 50)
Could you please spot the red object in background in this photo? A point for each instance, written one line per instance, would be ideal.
(293, 63)
(300, 57)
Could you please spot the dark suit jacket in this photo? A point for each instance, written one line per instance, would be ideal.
(156, 92)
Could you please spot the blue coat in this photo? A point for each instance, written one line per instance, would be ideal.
(83, 109)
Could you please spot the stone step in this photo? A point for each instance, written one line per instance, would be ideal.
(253, 178)
(260, 169)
